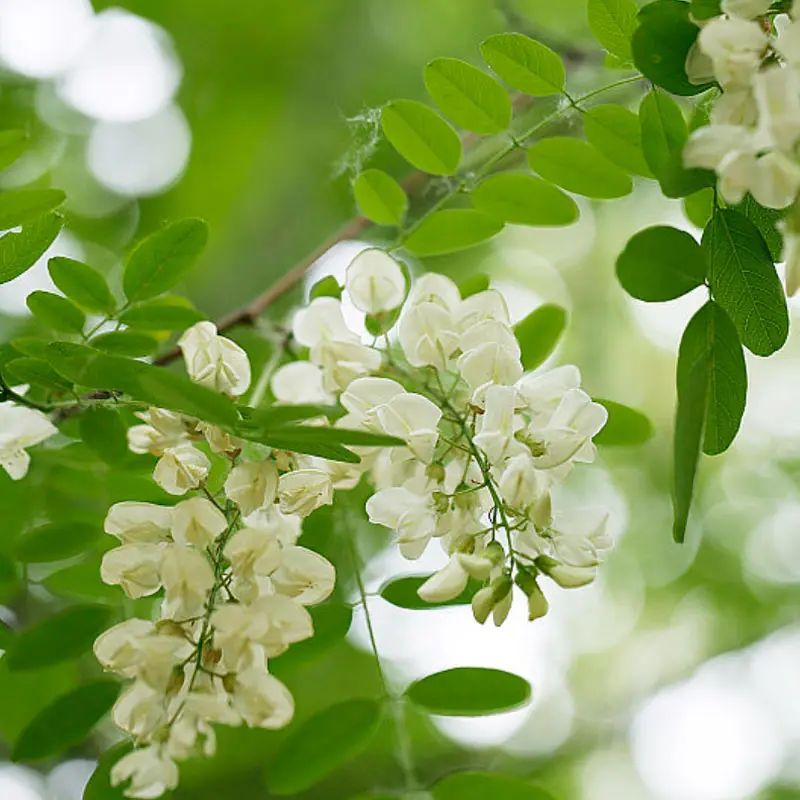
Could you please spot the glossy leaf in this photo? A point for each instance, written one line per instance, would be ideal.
(380, 197)
(617, 133)
(469, 692)
(451, 230)
(321, 744)
(126, 343)
(19, 251)
(66, 722)
(421, 136)
(56, 541)
(626, 427)
(613, 22)
(470, 97)
(402, 593)
(27, 205)
(712, 389)
(766, 220)
(62, 637)
(486, 785)
(82, 284)
(523, 199)
(661, 44)
(331, 624)
(56, 312)
(103, 431)
(578, 167)
(161, 260)
(744, 281)
(37, 372)
(539, 333)
(661, 263)
(169, 313)
(524, 64)
(12, 145)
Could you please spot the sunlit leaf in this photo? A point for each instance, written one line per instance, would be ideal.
(613, 22)
(523, 199)
(451, 230)
(56, 312)
(699, 207)
(27, 205)
(421, 136)
(744, 281)
(103, 431)
(37, 372)
(617, 133)
(479, 282)
(326, 287)
(469, 692)
(66, 722)
(21, 250)
(126, 343)
(661, 263)
(169, 313)
(578, 167)
(626, 427)
(321, 744)
(161, 260)
(539, 333)
(486, 785)
(82, 284)
(12, 145)
(380, 197)
(470, 97)
(524, 64)
(56, 541)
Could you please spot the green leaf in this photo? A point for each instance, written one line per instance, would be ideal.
(617, 133)
(104, 432)
(744, 281)
(712, 389)
(170, 313)
(479, 282)
(421, 136)
(470, 97)
(38, 372)
(661, 263)
(56, 541)
(626, 427)
(469, 692)
(699, 207)
(56, 312)
(82, 284)
(321, 744)
(66, 722)
(380, 197)
(524, 64)
(161, 260)
(21, 250)
(327, 287)
(402, 592)
(12, 145)
(30, 345)
(62, 637)
(451, 230)
(613, 23)
(661, 44)
(27, 205)
(766, 220)
(539, 333)
(99, 786)
(82, 582)
(486, 785)
(523, 199)
(664, 134)
(126, 343)
(331, 624)
(578, 167)
(706, 9)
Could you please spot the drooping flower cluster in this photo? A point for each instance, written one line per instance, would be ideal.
(753, 141)
(235, 583)
(484, 443)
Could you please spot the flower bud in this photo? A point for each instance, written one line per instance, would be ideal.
(494, 596)
(537, 602)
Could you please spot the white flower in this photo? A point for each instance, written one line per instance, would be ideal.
(219, 441)
(365, 395)
(162, 429)
(494, 599)
(498, 425)
(747, 9)
(428, 335)
(445, 584)
(252, 485)
(409, 514)
(490, 363)
(571, 577)
(21, 427)
(303, 490)
(777, 180)
(140, 710)
(298, 383)
(253, 553)
(321, 320)
(699, 67)
(214, 361)
(788, 43)
(285, 527)
(525, 488)
(181, 468)
(343, 362)
(579, 538)
(185, 731)
(375, 282)
(118, 649)
(413, 418)
(487, 305)
(133, 522)
(187, 577)
(150, 770)
(262, 700)
(777, 94)
(197, 521)
(435, 288)
(134, 567)
(736, 46)
(304, 575)
(542, 392)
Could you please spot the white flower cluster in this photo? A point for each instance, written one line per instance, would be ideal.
(484, 443)
(753, 141)
(235, 583)
(20, 428)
